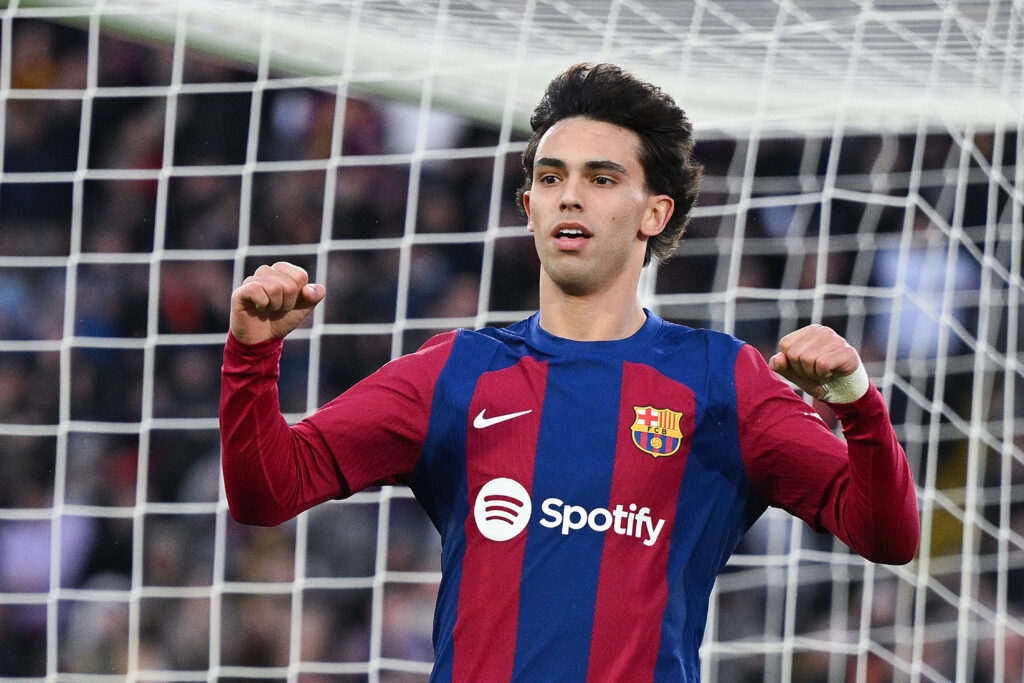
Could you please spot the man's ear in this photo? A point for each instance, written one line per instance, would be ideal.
(659, 211)
(526, 209)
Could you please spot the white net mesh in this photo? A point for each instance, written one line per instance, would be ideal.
(863, 170)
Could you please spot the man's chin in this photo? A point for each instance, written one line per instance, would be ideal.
(574, 279)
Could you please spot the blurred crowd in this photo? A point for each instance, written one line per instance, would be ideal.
(114, 292)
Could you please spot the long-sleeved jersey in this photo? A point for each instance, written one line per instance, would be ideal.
(587, 493)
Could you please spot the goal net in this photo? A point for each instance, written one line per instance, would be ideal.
(864, 170)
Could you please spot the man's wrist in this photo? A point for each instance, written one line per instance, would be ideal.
(846, 388)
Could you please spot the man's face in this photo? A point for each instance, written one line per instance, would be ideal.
(588, 206)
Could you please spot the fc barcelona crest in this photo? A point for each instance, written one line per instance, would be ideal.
(656, 430)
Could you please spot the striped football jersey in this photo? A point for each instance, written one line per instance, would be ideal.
(587, 494)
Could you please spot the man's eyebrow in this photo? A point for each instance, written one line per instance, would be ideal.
(550, 162)
(606, 165)
(597, 165)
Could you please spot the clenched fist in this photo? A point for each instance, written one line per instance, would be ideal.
(272, 302)
(822, 363)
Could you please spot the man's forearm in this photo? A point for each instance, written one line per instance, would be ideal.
(880, 514)
(270, 472)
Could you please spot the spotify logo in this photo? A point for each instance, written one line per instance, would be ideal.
(502, 509)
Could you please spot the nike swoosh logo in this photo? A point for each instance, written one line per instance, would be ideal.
(480, 421)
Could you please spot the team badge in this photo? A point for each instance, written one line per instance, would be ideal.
(656, 430)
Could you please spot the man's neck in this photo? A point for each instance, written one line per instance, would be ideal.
(605, 316)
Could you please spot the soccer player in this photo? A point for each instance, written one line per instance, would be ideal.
(591, 468)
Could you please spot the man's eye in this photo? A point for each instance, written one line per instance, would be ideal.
(603, 180)
(548, 179)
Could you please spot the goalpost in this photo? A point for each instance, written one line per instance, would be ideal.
(864, 169)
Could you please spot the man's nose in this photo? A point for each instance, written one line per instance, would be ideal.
(572, 197)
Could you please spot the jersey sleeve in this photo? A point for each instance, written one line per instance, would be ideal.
(370, 434)
(858, 487)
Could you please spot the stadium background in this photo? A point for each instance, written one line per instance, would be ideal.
(111, 446)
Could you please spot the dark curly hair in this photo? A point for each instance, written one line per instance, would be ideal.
(604, 92)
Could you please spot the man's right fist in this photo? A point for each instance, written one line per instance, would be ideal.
(272, 302)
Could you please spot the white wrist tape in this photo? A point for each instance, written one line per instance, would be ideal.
(847, 388)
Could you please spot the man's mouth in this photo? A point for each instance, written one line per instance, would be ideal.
(571, 231)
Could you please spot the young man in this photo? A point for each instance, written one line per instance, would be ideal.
(590, 469)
